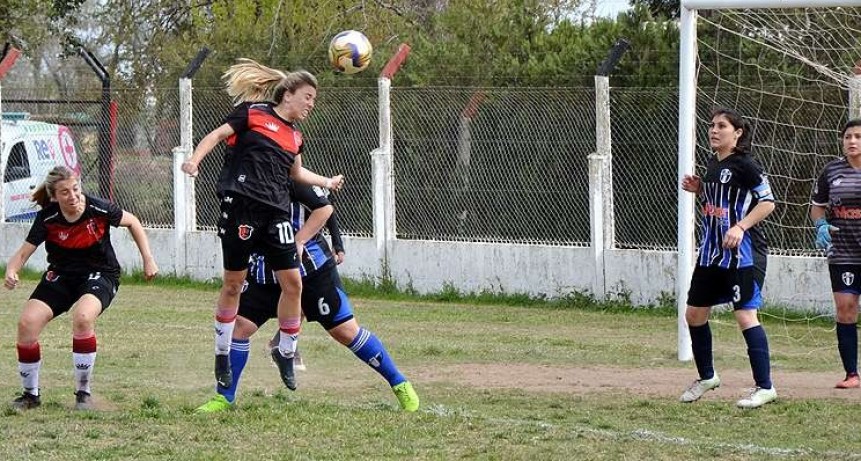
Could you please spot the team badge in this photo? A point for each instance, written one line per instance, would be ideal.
(245, 231)
(848, 278)
(63, 235)
(91, 227)
(725, 175)
(51, 276)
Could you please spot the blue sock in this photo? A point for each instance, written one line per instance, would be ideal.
(370, 350)
(847, 344)
(701, 344)
(757, 353)
(239, 350)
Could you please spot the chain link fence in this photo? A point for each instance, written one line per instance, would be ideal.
(470, 164)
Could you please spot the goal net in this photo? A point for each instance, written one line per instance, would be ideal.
(792, 68)
(793, 73)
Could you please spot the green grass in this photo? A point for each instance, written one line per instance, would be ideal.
(495, 381)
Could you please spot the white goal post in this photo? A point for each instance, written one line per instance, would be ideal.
(688, 89)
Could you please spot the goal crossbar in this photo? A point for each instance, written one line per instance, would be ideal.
(762, 4)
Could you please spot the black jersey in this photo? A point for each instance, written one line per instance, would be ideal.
(317, 253)
(80, 247)
(260, 154)
(731, 188)
(838, 188)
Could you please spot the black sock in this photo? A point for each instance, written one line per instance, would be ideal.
(757, 352)
(701, 344)
(847, 345)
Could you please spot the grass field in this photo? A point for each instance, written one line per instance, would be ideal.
(496, 381)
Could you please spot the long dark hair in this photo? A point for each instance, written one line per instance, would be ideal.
(851, 123)
(743, 145)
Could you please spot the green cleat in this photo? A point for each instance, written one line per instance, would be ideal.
(407, 396)
(214, 405)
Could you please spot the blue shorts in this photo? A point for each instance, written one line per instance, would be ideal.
(323, 299)
(742, 287)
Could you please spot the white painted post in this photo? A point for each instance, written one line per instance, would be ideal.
(383, 181)
(603, 144)
(184, 208)
(597, 202)
(687, 143)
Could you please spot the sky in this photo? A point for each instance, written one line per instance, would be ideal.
(610, 8)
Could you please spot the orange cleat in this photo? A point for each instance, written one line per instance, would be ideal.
(851, 382)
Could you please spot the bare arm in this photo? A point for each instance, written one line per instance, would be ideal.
(314, 224)
(16, 262)
(817, 212)
(204, 147)
(136, 229)
(302, 175)
(692, 183)
(757, 214)
(735, 233)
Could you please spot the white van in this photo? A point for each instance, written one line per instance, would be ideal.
(30, 149)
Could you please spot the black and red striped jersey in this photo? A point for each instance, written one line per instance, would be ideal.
(260, 154)
(80, 247)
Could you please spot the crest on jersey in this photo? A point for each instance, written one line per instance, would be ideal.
(51, 276)
(837, 181)
(63, 235)
(91, 227)
(725, 175)
(245, 231)
(848, 278)
(272, 127)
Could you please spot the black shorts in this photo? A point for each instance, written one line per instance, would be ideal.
(246, 224)
(60, 292)
(742, 287)
(845, 278)
(323, 299)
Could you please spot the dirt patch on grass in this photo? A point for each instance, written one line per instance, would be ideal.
(663, 382)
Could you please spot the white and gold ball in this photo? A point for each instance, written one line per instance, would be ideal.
(350, 52)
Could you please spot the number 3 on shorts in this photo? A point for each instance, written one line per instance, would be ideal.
(285, 232)
(736, 293)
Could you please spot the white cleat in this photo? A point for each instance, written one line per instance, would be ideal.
(758, 397)
(699, 387)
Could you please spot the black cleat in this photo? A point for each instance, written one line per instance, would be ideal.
(223, 373)
(285, 368)
(26, 401)
(83, 401)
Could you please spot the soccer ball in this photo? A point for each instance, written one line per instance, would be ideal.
(350, 52)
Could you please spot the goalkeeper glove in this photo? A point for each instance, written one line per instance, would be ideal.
(823, 233)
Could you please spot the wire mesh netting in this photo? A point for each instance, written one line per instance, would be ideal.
(493, 165)
(790, 72)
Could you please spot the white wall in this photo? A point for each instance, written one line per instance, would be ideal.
(427, 266)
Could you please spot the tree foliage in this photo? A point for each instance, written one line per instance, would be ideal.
(468, 42)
